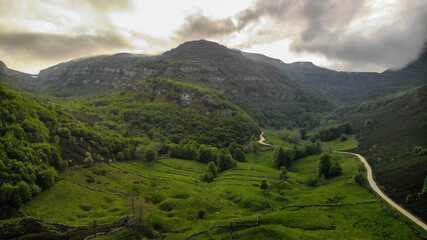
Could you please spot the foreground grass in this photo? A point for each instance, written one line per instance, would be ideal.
(233, 198)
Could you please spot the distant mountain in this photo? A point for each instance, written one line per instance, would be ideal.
(259, 89)
(24, 80)
(350, 87)
(388, 145)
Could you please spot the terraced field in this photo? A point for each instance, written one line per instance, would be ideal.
(182, 206)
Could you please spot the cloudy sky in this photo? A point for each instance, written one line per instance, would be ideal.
(352, 35)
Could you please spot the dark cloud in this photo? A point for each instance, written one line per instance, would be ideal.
(41, 47)
(325, 28)
(199, 26)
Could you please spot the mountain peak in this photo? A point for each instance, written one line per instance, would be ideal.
(2, 67)
(199, 49)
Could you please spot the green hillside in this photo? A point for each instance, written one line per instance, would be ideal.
(387, 138)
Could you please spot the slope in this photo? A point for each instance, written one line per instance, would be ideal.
(351, 87)
(259, 89)
(388, 145)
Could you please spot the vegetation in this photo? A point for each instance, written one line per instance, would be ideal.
(333, 132)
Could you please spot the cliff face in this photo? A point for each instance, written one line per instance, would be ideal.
(260, 89)
(350, 87)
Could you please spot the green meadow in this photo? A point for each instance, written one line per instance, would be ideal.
(182, 205)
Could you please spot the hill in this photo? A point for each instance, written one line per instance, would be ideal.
(388, 145)
(351, 87)
(259, 89)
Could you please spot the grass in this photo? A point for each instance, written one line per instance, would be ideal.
(339, 145)
(222, 203)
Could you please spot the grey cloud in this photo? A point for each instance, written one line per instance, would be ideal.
(51, 47)
(322, 28)
(102, 5)
(199, 26)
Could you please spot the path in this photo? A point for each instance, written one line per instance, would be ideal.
(387, 199)
(262, 139)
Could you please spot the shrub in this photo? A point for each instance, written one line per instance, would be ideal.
(212, 168)
(283, 172)
(263, 185)
(150, 155)
(312, 181)
(208, 177)
(324, 164)
(239, 155)
(335, 170)
(343, 137)
(359, 179)
(409, 199)
(368, 123)
(201, 214)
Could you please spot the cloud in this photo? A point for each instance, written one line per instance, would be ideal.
(102, 5)
(29, 48)
(342, 31)
(199, 26)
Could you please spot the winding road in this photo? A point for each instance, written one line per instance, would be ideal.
(387, 199)
(373, 185)
(262, 139)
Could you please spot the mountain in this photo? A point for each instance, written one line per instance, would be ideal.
(388, 145)
(350, 87)
(259, 89)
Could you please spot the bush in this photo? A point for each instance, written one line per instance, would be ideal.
(335, 170)
(409, 199)
(368, 123)
(225, 161)
(343, 137)
(283, 172)
(359, 179)
(208, 177)
(312, 181)
(283, 157)
(239, 155)
(324, 164)
(150, 155)
(201, 214)
(212, 168)
(263, 185)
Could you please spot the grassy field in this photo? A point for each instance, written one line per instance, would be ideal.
(234, 198)
(339, 145)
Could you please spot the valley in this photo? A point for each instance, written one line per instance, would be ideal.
(207, 142)
(232, 204)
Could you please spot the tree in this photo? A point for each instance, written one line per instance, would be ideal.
(46, 178)
(6, 193)
(150, 155)
(225, 161)
(335, 170)
(368, 123)
(343, 137)
(283, 172)
(208, 177)
(263, 185)
(24, 191)
(239, 155)
(255, 147)
(409, 199)
(303, 132)
(295, 137)
(283, 157)
(324, 164)
(359, 179)
(232, 147)
(207, 153)
(88, 160)
(212, 168)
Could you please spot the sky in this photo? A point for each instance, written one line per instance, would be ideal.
(345, 35)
